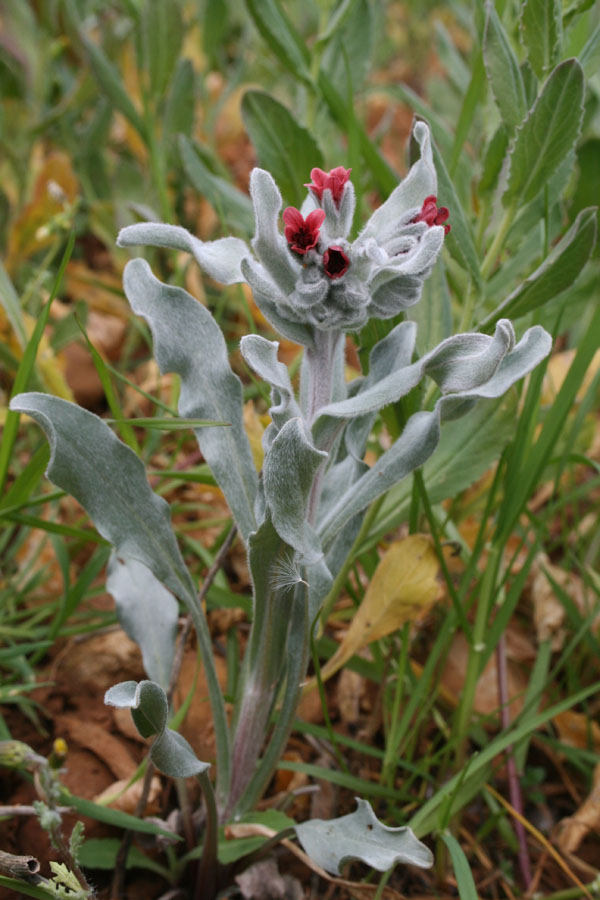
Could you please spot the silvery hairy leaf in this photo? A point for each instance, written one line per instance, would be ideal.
(220, 259)
(422, 431)
(420, 182)
(170, 752)
(271, 302)
(394, 351)
(360, 835)
(188, 341)
(289, 471)
(261, 356)
(268, 243)
(109, 481)
(460, 363)
(147, 612)
(147, 702)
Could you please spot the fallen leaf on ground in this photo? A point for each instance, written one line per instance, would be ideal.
(263, 881)
(548, 610)
(486, 693)
(404, 587)
(573, 830)
(578, 730)
(105, 746)
(126, 799)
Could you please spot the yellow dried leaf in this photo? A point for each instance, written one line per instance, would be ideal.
(405, 585)
(56, 188)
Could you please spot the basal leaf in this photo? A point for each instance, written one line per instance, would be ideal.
(148, 613)
(360, 835)
(109, 481)
(547, 135)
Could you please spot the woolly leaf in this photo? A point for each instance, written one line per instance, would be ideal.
(360, 835)
(172, 755)
(188, 341)
(88, 461)
(289, 472)
(148, 613)
(220, 259)
(147, 702)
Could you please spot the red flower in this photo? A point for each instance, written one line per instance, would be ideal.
(432, 215)
(335, 180)
(300, 233)
(335, 262)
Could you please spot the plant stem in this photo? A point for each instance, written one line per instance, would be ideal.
(297, 650)
(498, 242)
(514, 786)
(206, 879)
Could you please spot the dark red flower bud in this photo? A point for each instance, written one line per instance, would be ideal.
(335, 180)
(335, 262)
(300, 233)
(432, 215)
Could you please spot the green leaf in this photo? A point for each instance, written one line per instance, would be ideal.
(230, 850)
(179, 110)
(162, 34)
(355, 39)
(557, 273)
(278, 32)
(360, 835)
(589, 57)
(495, 153)
(232, 205)
(284, 148)
(113, 816)
(101, 853)
(503, 71)
(12, 307)
(541, 27)
(23, 888)
(462, 870)
(459, 240)
(427, 818)
(109, 79)
(547, 135)
(26, 367)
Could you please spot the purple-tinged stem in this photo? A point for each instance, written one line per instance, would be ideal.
(514, 785)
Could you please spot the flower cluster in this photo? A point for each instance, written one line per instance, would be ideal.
(312, 278)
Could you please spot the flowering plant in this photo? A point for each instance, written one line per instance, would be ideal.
(298, 518)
